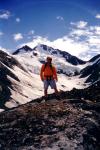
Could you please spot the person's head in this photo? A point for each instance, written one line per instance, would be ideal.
(49, 59)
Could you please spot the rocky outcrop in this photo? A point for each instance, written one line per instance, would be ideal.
(92, 71)
(56, 124)
(5, 84)
(8, 60)
(91, 93)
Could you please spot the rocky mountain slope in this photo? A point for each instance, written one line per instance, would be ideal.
(16, 84)
(92, 70)
(91, 93)
(69, 124)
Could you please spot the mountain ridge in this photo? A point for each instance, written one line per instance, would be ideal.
(70, 58)
(92, 70)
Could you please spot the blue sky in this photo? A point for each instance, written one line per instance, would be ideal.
(71, 25)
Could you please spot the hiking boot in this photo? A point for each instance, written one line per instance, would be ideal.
(46, 98)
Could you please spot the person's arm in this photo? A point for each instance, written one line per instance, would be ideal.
(41, 72)
(55, 74)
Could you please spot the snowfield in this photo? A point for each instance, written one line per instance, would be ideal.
(31, 86)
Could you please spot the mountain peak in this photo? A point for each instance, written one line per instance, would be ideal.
(22, 50)
(59, 54)
(26, 47)
(95, 58)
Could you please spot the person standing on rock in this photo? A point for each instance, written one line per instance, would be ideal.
(48, 75)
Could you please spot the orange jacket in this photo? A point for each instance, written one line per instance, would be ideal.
(48, 71)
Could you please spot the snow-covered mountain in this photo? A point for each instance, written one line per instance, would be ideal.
(51, 51)
(19, 75)
(20, 80)
(56, 52)
(32, 58)
(92, 70)
(17, 86)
